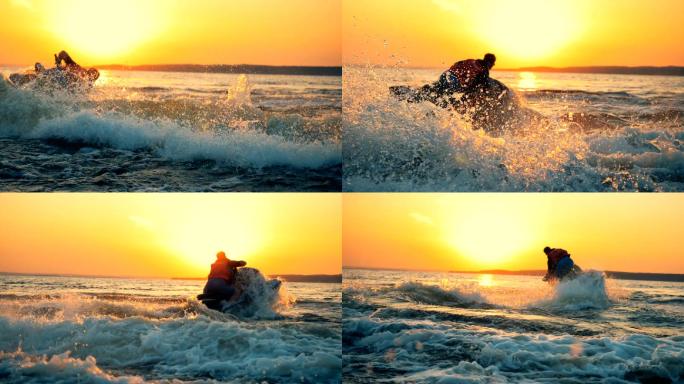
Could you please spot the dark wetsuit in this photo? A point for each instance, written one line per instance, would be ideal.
(463, 76)
(91, 74)
(221, 278)
(559, 263)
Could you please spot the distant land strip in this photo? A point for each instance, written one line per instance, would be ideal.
(289, 278)
(675, 277)
(611, 274)
(230, 68)
(614, 70)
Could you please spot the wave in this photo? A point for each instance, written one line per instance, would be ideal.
(264, 303)
(434, 295)
(31, 115)
(586, 291)
(390, 145)
(20, 367)
(77, 307)
(189, 347)
(437, 352)
(252, 149)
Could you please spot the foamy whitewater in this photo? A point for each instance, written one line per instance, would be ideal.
(101, 330)
(603, 133)
(168, 131)
(431, 327)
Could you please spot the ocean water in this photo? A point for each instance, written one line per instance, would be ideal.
(101, 330)
(598, 133)
(167, 131)
(431, 327)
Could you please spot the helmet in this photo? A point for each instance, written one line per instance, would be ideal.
(547, 249)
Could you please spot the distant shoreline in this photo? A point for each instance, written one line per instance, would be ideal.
(249, 69)
(328, 279)
(609, 70)
(672, 277)
(668, 277)
(316, 278)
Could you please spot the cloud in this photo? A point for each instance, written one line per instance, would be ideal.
(422, 219)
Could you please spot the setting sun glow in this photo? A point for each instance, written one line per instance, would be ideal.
(139, 32)
(525, 29)
(169, 235)
(475, 231)
(105, 29)
(522, 33)
(470, 234)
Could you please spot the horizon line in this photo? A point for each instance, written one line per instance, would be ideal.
(147, 276)
(198, 64)
(248, 69)
(648, 70)
(492, 271)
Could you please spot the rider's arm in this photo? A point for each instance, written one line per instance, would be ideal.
(237, 263)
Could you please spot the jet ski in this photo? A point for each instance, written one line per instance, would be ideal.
(253, 289)
(55, 78)
(575, 272)
(491, 106)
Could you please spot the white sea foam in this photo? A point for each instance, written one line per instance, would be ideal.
(195, 347)
(121, 331)
(586, 291)
(29, 114)
(390, 145)
(432, 294)
(240, 148)
(425, 350)
(514, 329)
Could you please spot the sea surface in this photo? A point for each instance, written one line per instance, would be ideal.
(430, 327)
(102, 330)
(600, 133)
(173, 131)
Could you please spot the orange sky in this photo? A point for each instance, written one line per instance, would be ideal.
(459, 231)
(168, 235)
(435, 33)
(274, 32)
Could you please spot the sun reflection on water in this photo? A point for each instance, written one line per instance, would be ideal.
(527, 81)
(486, 280)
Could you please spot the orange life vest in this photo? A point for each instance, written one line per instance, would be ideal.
(221, 269)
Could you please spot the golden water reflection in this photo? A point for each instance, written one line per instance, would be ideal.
(527, 81)
(486, 280)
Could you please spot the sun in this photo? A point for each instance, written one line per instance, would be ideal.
(194, 233)
(492, 236)
(105, 29)
(526, 30)
(197, 239)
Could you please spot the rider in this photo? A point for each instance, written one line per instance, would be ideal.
(465, 75)
(559, 264)
(221, 279)
(70, 65)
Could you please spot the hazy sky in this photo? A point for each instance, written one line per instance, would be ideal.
(459, 231)
(435, 33)
(275, 32)
(166, 235)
